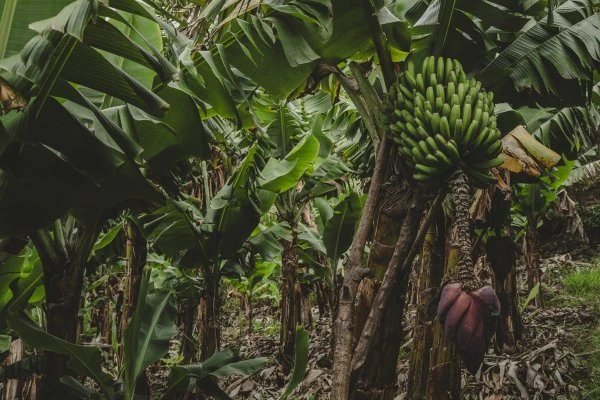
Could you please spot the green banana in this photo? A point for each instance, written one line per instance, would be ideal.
(444, 127)
(410, 79)
(420, 83)
(454, 115)
(440, 92)
(471, 131)
(430, 95)
(440, 70)
(433, 80)
(447, 69)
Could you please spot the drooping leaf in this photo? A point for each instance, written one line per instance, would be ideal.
(340, 228)
(148, 333)
(300, 362)
(279, 176)
(82, 359)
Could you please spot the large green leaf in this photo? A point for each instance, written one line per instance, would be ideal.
(148, 333)
(281, 175)
(549, 53)
(20, 277)
(220, 365)
(267, 242)
(46, 174)
(16, 32)
(300, 362)
(85, 360)
(339, 229)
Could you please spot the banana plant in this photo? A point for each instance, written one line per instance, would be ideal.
(91, 133)
(146, 341)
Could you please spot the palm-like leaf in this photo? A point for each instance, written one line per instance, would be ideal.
(548, 54)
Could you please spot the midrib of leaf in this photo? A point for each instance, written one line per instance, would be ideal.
(282, 126)
(446, 12)
(66, 47)
(152, 326)
(6, 23)
(536, 49)
(337, 237)
(108, 100)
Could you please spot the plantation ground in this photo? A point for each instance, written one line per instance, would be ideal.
(559, 359)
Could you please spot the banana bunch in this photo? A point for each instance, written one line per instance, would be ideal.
(441, 120)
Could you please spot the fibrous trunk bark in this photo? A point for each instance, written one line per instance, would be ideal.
(136, 252)
(354, 272)
(14, 387)
(430, 276)
(376, 354)
(291, 300)
(187, 319)
(208, 327)
(395, 199)
(443, 381)
(444, 370)
(63, 279)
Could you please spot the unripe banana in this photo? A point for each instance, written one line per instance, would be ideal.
(441, 156)
(450, 90)
(447, 69)
(410, 79)
(439, 104)
(440, 69)
(430, 95)
(471, 131)
(410, 67)
(466, 114)
(420, 83)
(446, 110)
(444, 127)
(441, 120)
(435, 123)
(431, 67)
(408, 141)
(454, 115)
(433, 80)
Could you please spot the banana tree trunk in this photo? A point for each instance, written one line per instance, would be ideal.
(291, 297)
(187, 313)
(63, 280)
(430, 276)
(14, 387)
(394, 201)
(306, 319)
(377, 364)
(136, 254)
(208, 327)
(443, 380)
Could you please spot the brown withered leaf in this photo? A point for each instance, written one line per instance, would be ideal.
(10, 98)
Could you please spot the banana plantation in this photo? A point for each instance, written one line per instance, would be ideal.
(299, 199)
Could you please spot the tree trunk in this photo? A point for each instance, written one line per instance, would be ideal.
(14, 387)
(187, 320)
(443, 381)
(291, 297)
(63, 279)
(531, 255)
(306, 319)
(135, 258)
(510, 327)
(376, 354)
(430, 276)
(209, 330)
